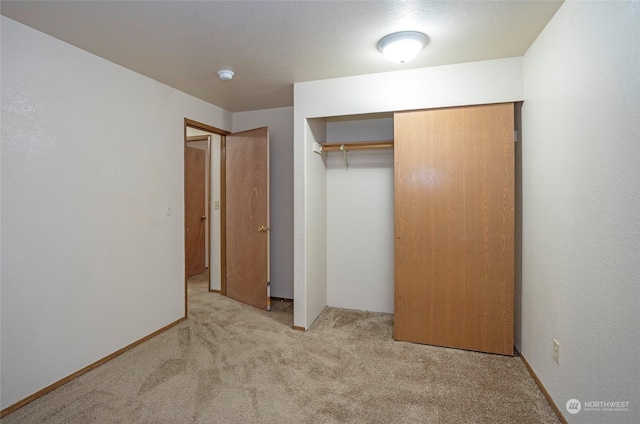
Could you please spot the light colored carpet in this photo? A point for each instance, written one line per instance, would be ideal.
(231, 363)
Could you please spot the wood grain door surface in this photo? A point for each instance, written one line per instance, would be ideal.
(247, 217)
(194, 211)
(454, 227)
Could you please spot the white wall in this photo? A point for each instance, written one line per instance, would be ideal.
(91, 155)
(491, 81)
(360, 224)
(581, 207)
(280, 123)
(373, 127)
(315, 228)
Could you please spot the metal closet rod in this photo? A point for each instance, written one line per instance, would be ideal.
(354, 145)
(357, 145)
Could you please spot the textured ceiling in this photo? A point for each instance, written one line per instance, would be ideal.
(272, 44)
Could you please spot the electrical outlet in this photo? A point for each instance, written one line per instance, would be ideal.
(556, 351)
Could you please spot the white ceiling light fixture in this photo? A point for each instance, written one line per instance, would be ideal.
(225, 75)
(403, 46)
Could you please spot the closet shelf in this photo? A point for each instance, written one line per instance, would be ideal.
(357, 145)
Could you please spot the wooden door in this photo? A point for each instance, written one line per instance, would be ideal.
(454, 227)
(247, 217)
(194, 211)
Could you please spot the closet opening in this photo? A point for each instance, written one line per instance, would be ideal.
(358, 153)
(424, 231)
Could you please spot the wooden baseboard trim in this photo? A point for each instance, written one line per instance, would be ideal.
(39, 393)
(544, 391)
(295, 327)
(214, 291)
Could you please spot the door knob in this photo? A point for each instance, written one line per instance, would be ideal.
(263, 229)
(202, 218)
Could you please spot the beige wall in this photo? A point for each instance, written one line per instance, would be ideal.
(91, 261)
(581, 208)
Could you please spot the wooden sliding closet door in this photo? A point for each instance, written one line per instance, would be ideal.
(454, 219)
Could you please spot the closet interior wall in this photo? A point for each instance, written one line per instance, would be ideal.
(360, 216)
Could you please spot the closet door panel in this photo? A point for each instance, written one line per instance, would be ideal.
(454, 219)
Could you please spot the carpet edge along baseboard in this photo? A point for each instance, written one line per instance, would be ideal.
(544, 390)
(9, 409)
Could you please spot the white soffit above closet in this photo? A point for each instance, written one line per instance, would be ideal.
(272, 44)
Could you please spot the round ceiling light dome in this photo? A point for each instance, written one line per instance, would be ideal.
(225, 75)
(403, 46)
